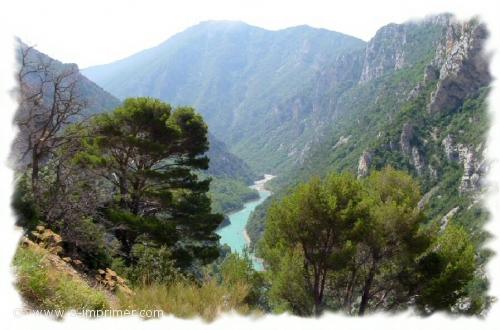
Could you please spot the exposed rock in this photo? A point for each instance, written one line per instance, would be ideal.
(463, 68)
(61, 264)
(470, 178)
(379, 58)
(364, 163)
(468, 157)
(450, 149)
(417, 160)
(47, 239)
(111, 281)
(433, 172)
(427, 197)
(431, 73)
(342, 140)
(446, 219)
(387, 50)
(406, 138)
(77, 263)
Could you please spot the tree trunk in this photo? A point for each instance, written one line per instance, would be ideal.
(366, 290)
(319, 287)
(35, 171)
(123, 191)
(349, 291)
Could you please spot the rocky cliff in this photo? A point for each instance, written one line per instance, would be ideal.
(415, 100)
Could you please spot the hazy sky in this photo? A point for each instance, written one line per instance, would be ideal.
(96, 32)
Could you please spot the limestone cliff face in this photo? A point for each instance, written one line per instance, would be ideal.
(385, 52)
(461, 70)
(406, 138)
(364, 164)
(457, 72)
(471, 159)
(460, 65)
(394, 46)
(413, 98)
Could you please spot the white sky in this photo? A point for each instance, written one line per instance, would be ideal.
(96, 32)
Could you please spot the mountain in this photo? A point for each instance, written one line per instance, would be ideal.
(224, 164)
(419, 104)
(96, 98)
(231, 175)
(251, 85)
(301, 101)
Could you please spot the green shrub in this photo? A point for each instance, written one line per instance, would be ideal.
(151, 265)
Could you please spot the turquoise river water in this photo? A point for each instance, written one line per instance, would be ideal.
(234, 234)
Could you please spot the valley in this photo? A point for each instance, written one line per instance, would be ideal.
(376, 149)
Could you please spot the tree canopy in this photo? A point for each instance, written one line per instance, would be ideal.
(149, 153)
(362, 245)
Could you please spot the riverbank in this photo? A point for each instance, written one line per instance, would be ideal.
(259, 186)
(228, 213)
(234, 234)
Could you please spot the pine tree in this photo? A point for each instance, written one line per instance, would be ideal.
(150, 153)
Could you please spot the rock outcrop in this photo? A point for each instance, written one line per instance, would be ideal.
(417, 160)
(446, 219)
(461, 65)
(406, 138)
(364, 164)
(47, 239)
(111, 281)
(474, 167)
(385, 52)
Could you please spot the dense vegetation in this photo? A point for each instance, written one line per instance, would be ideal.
(362, 245)
(401, 99)
(378, 150)
(229, 195)
(230, 179)
(130, 173)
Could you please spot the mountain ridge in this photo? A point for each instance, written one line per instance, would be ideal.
(224, 167)
(232, 75)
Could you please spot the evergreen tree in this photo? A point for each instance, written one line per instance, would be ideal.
(362, 245)
(149, 153)
(318, 219)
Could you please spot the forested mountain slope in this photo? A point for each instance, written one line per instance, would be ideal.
(253, 86)
(95, 98)
(304, 101)
(377, 147)
(231, 174)
(421, 109)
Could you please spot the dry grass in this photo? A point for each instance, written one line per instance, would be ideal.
(186, 299)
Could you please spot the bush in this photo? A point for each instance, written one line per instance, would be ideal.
(28, 216)
(238, 270)
(151, 265)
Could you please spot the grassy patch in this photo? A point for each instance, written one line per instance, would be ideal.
(187, 299)
(45, 287)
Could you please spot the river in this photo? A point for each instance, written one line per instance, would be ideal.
(234, 234)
